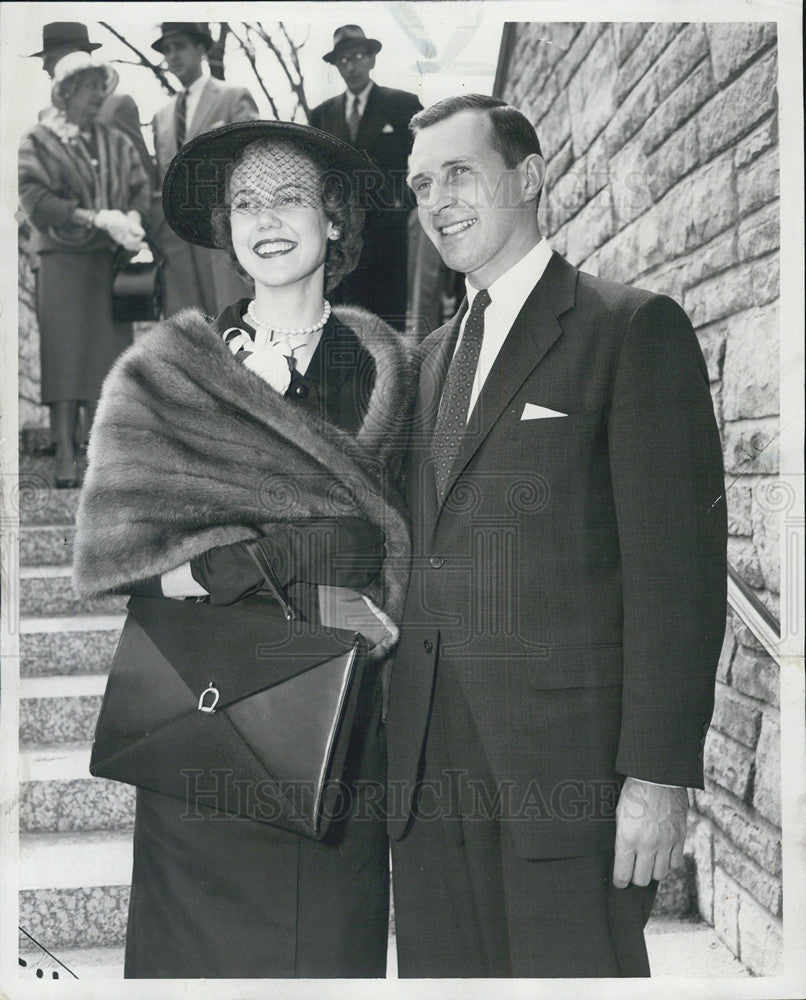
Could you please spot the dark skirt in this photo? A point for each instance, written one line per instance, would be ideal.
(228, 897)
(78, 339)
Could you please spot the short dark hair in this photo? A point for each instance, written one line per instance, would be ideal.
(513, 134)
(340, 202)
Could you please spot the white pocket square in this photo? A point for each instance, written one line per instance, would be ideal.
(531, 411)
(387, 128)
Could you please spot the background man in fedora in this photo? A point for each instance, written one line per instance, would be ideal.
(194, 276)
(374, 119)
(555, 676)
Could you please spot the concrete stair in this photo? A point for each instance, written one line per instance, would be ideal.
(75, 830)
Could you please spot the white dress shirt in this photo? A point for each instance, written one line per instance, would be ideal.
(507, 296)
(194, 92)
(363, 97)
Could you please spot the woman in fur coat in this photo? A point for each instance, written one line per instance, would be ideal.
(276, 431)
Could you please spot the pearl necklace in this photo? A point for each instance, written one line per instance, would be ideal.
(302, 332)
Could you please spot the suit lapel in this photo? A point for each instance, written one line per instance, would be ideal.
(372, 121)
(335, 122)
(202, 108)
(169, 132)
(534, 332)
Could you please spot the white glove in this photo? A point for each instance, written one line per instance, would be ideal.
(124, 229)
(134, 242)
(113, 222)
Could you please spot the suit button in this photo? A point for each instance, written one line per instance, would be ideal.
(437, 562)
(302, 391)
(428, 646)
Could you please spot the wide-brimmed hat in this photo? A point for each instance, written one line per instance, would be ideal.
(196, 180)
(61, 33)
(196, 29)
(79, 62)
(347, 36)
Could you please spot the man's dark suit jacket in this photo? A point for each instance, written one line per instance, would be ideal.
(383, 134)
(379, 281)
(574, 580)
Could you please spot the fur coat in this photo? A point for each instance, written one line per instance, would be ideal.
(191, 450)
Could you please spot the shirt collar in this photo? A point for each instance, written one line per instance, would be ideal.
(514, 285)
(362, 95)
(199, 82)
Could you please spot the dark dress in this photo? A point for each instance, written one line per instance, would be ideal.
(78, 339)
(230, 897)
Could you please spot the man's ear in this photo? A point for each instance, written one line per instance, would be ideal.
(533, 168)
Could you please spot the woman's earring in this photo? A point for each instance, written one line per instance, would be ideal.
(335, 234)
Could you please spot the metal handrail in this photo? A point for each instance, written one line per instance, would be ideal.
(756, 616)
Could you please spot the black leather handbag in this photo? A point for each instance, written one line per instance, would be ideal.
(234, 707)
(137, 286)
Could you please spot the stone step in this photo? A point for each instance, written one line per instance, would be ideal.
(46, 545)
(76, 918)
(55, 710)
(58, 794)
(84, 963)
(36, 501)
(74, 860)
(48, 591)
(44, 466)
(689, 948)
(74, 888)
(81, 644)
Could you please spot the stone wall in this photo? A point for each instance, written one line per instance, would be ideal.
(32, 414)
(662, 150)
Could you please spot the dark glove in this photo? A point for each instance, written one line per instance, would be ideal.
(150, 586)
(344, 553)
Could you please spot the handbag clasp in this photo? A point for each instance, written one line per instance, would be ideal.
(214, 693)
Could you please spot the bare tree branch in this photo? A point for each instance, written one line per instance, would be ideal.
(155, 68)
(249, 51)
(299, 89)
(297, 86)
(215, 54)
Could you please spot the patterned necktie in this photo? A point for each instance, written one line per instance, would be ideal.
(453, 406)
(353, 119)
(181, 118)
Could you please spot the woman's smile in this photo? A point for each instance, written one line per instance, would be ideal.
(274, 247)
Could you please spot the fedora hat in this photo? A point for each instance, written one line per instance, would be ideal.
(60, 33)
(196, 29)
(78, 62)
(348, 36)
(196, 180)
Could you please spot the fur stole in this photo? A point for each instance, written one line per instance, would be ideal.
(191, 450)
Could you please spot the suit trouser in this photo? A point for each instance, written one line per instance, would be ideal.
(468, 905)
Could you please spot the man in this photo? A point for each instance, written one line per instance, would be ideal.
(60, 38)
(566, 609)
(194, 276)
(376, 120)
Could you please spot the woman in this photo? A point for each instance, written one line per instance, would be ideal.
(86, 192)
(269, 431)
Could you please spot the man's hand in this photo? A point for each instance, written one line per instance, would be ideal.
(650, 832)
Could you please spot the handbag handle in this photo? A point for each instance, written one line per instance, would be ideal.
(270, 578)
